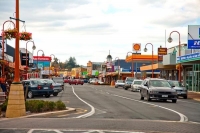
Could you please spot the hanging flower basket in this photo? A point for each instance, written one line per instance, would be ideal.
(10, 33)
(25, 36)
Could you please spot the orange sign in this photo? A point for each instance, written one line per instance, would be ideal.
(136, 47)
(162, 51)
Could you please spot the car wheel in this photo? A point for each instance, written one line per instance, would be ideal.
(30, 94)
(47, 95)
(185, 97)
(174, 101)
(148, 97)
(69, 84)
(55, 94)
(115, 86)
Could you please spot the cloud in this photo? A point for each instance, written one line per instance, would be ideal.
(88, 29)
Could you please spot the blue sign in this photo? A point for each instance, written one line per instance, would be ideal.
(194, 44)
(189, 57)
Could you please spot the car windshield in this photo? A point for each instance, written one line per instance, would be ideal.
(137, 82)
(49, 81)
(120, 81)
(159, 83)
(175, 83)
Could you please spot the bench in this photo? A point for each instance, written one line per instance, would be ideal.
(2, 99)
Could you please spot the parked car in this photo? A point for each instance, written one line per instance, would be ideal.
(180, 89)
(73, 82)
(79, 81)
(85, 80)
(159, 89)
(100, 82)
(119, 83)
(94, 81)
(135, 86)
(128, 82)
(57, 87)
(37, 87)
(59, 80)
(66, 80)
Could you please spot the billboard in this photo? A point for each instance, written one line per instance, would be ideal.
(193, 37)
(161, 52)
(136, 48)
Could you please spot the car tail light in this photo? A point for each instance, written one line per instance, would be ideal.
(51, 86)
(39, 87)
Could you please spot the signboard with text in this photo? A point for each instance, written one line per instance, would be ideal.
(189, 57)
(161, 52)
(193, 37)
(24, 58)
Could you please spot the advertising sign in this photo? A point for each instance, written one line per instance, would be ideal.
(24, 58)
(1, 44)
(193, 37)
(161, 52)
(189, 57)
(136, 48)
(42, 58)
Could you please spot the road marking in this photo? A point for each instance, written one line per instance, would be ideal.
(92, 108)
(183, 118)
(101, 111)
(107, 93)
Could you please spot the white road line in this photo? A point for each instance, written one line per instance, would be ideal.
(92, 108)
(183, 118)
(107, 93)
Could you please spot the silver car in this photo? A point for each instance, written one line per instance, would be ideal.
(57, 87)
(119, 83)
(135, 86)
(180, 89)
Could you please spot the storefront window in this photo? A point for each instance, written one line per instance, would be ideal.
(196, 77)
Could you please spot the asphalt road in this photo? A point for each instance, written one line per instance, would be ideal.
(107, 109)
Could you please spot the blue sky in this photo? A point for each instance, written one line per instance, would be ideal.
(88, 29)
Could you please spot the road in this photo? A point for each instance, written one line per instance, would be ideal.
(107, 109)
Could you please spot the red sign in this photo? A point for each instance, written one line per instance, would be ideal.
(42, 58)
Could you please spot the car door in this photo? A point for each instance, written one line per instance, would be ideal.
(142, 87)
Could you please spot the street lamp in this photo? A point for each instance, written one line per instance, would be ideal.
(145, 50)
(132, 62)
(170, 40)
(50, 63)
(33, 47)
(3, 45)
(118, 67)
(37, 56)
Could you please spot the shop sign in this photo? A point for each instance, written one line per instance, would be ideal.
(162, 51)
(24, 58)
(42, 58)
(193, 37)
(136, 48)
(189, 57)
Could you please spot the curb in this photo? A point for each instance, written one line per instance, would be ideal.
(69, 110)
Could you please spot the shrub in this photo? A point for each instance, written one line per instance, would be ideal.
(60, 105)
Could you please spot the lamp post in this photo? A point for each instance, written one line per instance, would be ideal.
(33, 47)
(118, 67)
(145, 50)
(3, 45)
(50, 63)
(37, 56)
(132, 62)
(170, 40)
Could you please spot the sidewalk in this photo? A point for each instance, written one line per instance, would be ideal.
(194, 95)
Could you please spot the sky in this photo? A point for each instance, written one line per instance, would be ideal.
(88, 29)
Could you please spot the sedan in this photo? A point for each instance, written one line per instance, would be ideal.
(119, 83)
(37, 87)
(180, 89)
(72, 81)
(159, 89)
(135, 86)
(57, 87)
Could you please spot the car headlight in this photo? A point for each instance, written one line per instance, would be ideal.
(153, 92)
(174, 93)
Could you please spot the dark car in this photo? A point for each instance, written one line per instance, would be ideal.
(37, 87)
(159, 89)
(57, 87)
(128, 82)
(180, 89)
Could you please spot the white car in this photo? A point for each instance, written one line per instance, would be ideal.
(119, 83)
(136, 84)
